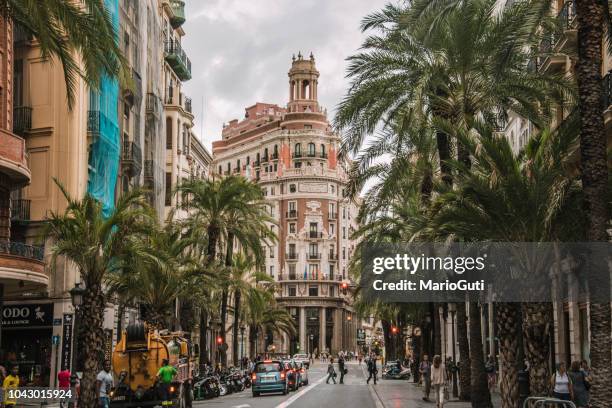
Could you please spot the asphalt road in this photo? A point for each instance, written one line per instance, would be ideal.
(354, 393)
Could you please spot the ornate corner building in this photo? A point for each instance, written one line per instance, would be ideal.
(291, 152)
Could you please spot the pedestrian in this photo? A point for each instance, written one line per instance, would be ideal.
(438, 380)
(341, 368)
(165, 375)
(11, 382)
(63, 381)
(561, 384)
(579, 385)
(491, 372)
(425, 375)
(584, 366)
(104, 384)
(360, 358)
(331, 371)
(372, 369)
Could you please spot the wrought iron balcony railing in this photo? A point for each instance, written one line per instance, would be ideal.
(177, 59)
(131, 158)
(22, 120)
(22, 250)
(293, 256)
(93, 122)
(312, 255)
(291, 214)
(315, 235)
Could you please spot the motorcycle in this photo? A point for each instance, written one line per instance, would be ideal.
(226, 385)
(237, 381)
(206, 387)
(247, 379)
(395, 373)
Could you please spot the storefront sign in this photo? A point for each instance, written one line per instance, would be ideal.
(108, 344)
(31, 315)
(67, 341)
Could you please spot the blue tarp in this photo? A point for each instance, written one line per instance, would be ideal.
(104, 155)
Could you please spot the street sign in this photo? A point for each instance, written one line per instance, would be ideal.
(55, 340)
(361, 337)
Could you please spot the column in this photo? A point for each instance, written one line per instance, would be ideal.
(337, 339)
(322, 330)
(303, 345)
(491, 329)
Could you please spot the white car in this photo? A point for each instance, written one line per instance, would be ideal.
(302, 358)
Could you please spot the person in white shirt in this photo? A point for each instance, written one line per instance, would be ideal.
(562, 384)
(104, 384)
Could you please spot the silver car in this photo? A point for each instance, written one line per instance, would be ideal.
(302, 358)
(303, 372)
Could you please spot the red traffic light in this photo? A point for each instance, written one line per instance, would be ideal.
(219, 340)
(394, 330)
(344, 285)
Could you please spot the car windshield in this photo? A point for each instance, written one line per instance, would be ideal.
(300, 356)
(267, 367)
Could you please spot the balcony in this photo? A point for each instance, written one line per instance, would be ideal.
(313, 256)
(152, 106)
(315, 276)
(332, 216)
(312, 154)
(291, 214)
(13, 159)
(297, 155)
(256, 163)
(265, 159)
(22, 120)
(315, 235)
(291, 256)
(274, 156)
(177, 16)
(187, 104)
(20, 210)
(93, 123)
(177, 59)
(149, 172)
(131, 158)
(22, 264)
(332, 256)
(323, 155)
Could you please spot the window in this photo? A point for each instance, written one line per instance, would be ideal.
(313, 228)
(168, 133)
(332, 229)
(257, 161)
(291, 250)
(292, 272)
(292, 291)
(238, 165)
(311, 149)
(292, 188)
(343, 252)
(298, 165)
(229, 167)
(168, 196)
(332, 188)
(220, 169)
(343, 232)
(313, 290)
(272, 192)
(272, 271)
(271, 252)
(343, 213)
(297, 150)
(332, 291)
(314, 250)
(331, 271)
(292, 206)
(292, 227)
(248, 160)
(323, 155)
(307, 126)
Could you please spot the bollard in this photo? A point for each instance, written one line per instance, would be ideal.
(523, 383)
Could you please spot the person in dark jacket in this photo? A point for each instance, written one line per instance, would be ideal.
(341, 368)
(331, 372)
(372, 369)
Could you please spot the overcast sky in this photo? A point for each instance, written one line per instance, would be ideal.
(241, 50)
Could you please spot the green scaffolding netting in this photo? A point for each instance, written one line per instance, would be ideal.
(103, 118)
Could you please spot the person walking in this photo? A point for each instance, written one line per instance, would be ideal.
(438, 380)
(341, 368)
(579, 385)
(331, 371)
(165, 375)
(372, 369)
(491, 373)
(104, 384)
(425, 375)
(584, 366)
(561, 384)
(63, 381)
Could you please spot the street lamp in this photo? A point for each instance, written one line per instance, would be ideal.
(215, 325)
(242, 328)
(311, 337)
(76, 296)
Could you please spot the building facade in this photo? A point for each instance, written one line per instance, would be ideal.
(291, 152)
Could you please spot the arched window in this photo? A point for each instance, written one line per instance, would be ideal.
(311, 149)
(229, 167)
(275, 152)
(297, 151)
(220, 169)
(248, 160)
(323, 155)
(238, 165)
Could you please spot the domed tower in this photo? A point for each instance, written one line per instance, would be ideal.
(303, 81)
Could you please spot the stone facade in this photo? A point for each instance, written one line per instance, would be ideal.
(291, 152)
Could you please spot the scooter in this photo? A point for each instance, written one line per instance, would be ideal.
(394, 373)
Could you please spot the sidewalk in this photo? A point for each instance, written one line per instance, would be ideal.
(401, 393)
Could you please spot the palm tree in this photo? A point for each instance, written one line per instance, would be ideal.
(97, 246)
(243, 282)
(81, 35)
(230, 208)
(594, 172)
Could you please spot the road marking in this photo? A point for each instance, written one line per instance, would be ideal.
(374, 394)
(242, 406)
(291, 400)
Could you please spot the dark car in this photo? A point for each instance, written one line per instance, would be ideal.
(293, 374)
(269, 376)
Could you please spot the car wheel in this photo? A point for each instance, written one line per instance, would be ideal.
(285, 390)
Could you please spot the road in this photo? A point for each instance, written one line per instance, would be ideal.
(354, 393)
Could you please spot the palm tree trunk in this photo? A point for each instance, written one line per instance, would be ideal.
(92, 315)
(229, 261)
(537, 318)
(203, 334)
(237, 296)
(464, 353)
(590, 15)
(479, 387)
(437, 349)
(511, 350)
(252, 340)
(120, 312)
(389, 344)
(211, 253)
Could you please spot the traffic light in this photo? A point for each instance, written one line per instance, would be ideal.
(394, 330)
(219, 340)
(344, 287)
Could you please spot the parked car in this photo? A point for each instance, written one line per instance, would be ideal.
(269, 376)
(293, 374)
(302, 358)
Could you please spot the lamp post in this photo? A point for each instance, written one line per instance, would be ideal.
(215, 325)
(452, 308)
(242, 328)
(311, 337)
(76, 296)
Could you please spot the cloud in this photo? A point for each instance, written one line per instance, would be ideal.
(241, 51)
